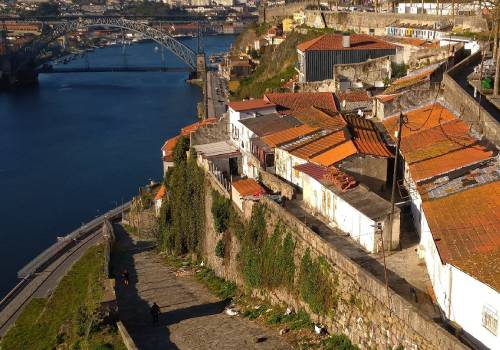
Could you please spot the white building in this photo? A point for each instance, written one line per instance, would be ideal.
(439, 8)
(348, 206)
(252, 119)
(454, 191)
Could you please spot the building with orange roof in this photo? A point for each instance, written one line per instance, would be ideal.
(162, 191)
(288, 102)
(167, 152)
(245, 189)
(357, 148)
(318, 56)
(453, 182)
(347, 205)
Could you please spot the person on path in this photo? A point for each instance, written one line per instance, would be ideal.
(125, 276)
(155, 312)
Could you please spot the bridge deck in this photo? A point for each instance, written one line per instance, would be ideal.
(52, 70)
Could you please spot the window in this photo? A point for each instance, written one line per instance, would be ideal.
(490, 319)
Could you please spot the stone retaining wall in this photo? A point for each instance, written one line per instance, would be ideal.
(362, 312)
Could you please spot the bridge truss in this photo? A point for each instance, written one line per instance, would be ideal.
(31, 51)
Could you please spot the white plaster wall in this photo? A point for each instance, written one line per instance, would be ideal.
(468, 298)
(340, 213)
(284, 163)
(350, 220)
(235, 195)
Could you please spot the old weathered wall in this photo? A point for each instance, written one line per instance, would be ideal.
(361, 313)
(363, 22)
(367, 72)
(410, 99)
(317, 86)
(276, 185)
(371, 171)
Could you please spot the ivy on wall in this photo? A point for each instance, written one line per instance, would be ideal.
(221, 207)
(182, 215)
(266, 261)
(315, 284)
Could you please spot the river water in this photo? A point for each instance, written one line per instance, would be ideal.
(79, 144)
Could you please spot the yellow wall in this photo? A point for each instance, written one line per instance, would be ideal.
(287, 25)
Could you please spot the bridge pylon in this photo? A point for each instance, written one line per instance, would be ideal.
(201, 66)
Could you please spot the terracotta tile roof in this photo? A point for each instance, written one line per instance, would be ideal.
(284, 136)
(408, 81)
(248, 187)
(354, 96)
(387, 98)
(289, 101)
(318, 146)
(185, 131)
(169, 145)
(422, 118)
(366, 137)
(321, 118)
(334, 42)
(448, 162)
(241, 106)
(161, 192)
(328, 176)
(466, 230)
(436, 141)
(335, 154)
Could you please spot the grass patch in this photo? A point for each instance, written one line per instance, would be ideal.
(132, 229)
(218, 286)
(69, 315)
(338, 342)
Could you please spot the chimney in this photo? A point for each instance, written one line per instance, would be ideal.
(346, 40)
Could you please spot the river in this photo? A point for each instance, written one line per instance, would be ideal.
(78, 144)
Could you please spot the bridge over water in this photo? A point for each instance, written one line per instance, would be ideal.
(23, 66)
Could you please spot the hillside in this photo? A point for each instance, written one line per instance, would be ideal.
(277, 63)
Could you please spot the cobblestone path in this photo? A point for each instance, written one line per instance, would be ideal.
(191, 318)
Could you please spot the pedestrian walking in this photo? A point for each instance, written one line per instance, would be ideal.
(155, 312)
(125, 276)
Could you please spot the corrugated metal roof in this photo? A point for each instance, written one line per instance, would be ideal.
(248, 187)
(320, 145)
(288, 135)
(270, 123)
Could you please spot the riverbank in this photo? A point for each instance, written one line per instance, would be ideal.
(72, 316)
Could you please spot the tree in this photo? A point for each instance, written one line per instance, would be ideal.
(180, 149)
(47, 9)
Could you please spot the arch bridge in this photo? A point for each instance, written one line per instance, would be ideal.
(25, 59)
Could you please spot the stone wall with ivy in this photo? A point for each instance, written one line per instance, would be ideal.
(275, 257)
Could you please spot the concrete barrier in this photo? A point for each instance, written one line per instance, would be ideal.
(65, 243)
(127, 339)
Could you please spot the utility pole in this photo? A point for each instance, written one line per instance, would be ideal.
(394, 178)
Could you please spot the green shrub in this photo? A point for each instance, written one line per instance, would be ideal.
(223, 289)
(338, 342)
(219, 248)
(221, 211)
(266, 261)
(398, 70)
(315, 284)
